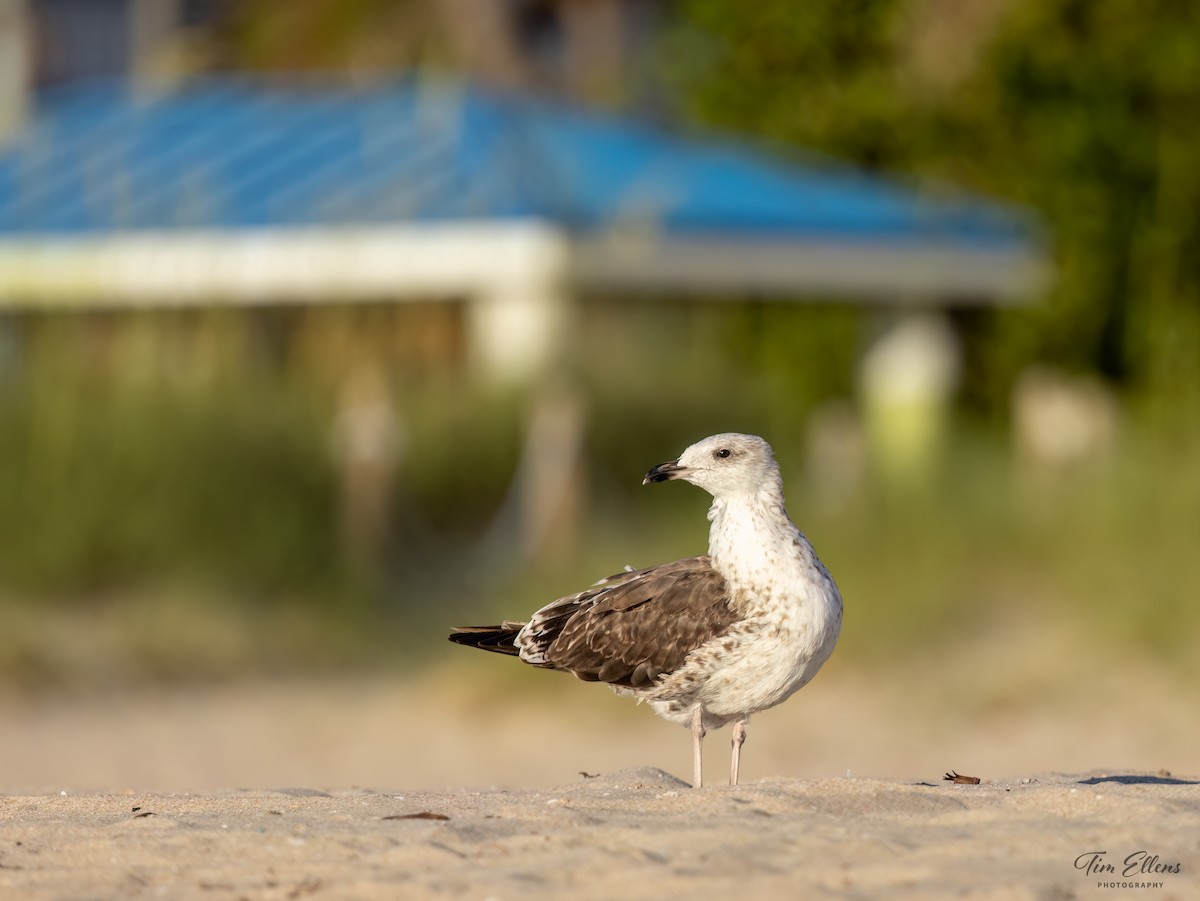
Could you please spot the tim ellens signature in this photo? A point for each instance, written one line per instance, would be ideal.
(1139, 863)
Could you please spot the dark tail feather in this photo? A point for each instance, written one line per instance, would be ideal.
(488, 638)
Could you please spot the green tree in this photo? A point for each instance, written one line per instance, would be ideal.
(1087, 111)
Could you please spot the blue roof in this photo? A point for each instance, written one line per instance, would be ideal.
(243, 154)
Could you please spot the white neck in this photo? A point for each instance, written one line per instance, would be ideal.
(751, 537)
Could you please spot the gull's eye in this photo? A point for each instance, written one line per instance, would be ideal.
(722, 453)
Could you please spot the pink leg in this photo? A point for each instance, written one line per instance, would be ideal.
(739, 736)
(698, 732)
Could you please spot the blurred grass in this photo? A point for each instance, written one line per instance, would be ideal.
(171, 507)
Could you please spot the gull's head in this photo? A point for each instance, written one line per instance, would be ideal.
(724, 465)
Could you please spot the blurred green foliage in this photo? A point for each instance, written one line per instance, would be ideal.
(138, 447)
(344, 36)
(172, 494)
(1087, 111)
(132, 451)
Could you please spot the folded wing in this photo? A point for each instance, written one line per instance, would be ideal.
(631, 628)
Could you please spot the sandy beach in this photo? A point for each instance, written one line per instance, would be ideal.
(469, 780)
(466, 784)
(637, 833)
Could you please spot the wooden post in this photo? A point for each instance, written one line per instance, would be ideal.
(16, 67)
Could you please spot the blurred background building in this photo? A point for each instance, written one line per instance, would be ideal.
(158, 187)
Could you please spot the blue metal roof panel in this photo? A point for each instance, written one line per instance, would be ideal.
(233, 154)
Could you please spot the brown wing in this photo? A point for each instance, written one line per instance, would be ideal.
(633, 627)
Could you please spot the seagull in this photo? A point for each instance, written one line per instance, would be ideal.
(706, 641)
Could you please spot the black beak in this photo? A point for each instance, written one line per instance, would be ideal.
(664, 471)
